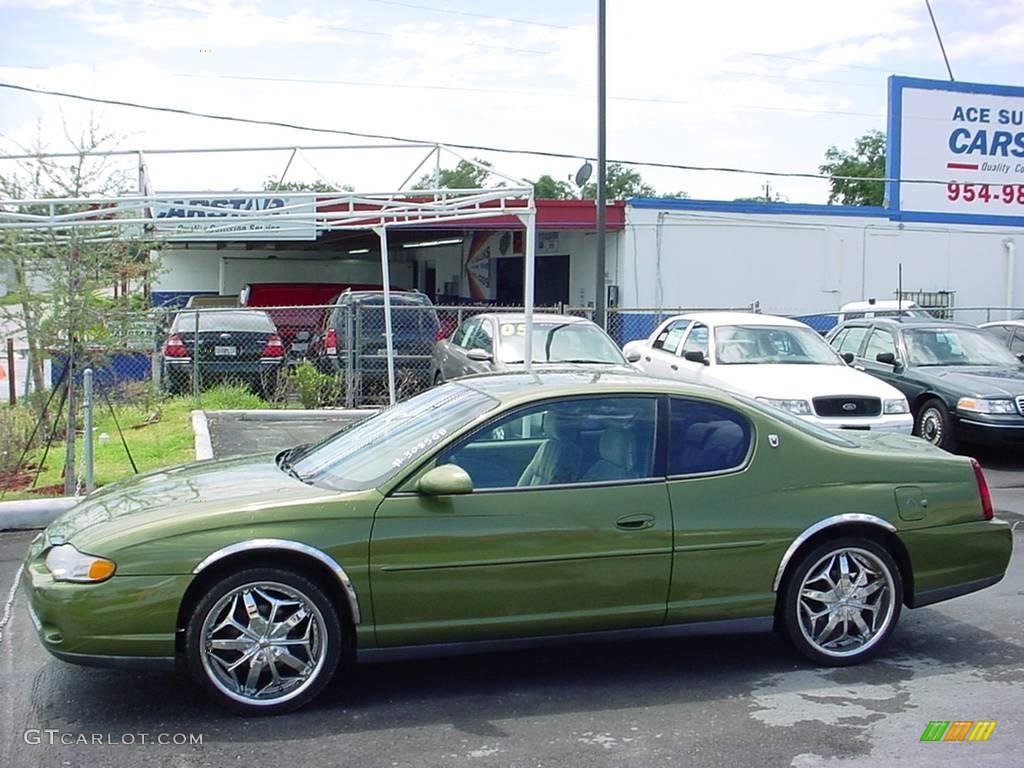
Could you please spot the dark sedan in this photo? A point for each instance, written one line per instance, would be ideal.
(234, 345)
(960, 382)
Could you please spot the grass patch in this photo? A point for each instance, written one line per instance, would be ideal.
(158, 435)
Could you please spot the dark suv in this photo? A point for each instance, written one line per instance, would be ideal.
(353, 338)
(961, 384)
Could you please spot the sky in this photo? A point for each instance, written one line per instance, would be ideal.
(737, 83)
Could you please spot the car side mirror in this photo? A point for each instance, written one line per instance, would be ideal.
(888, 358)
(848, 357)
(1020, 356)
(633, 357)
(479, 356)
(445, 480)
(695, 357)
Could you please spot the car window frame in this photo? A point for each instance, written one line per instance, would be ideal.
(748, 457)
(893, 335)
(406, 486)
(659, 342)
(469, 324)
(485, 322)
(694, 326)
(867, 328)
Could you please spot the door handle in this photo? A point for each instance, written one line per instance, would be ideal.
(647, 359)
(859, 367)
(675, 367)
(635, 522)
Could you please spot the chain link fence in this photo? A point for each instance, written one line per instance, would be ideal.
(332, 355)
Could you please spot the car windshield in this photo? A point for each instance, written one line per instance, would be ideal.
(559, 343)
(375, 450)
(747, 344)
(223, 320)
(956, 346)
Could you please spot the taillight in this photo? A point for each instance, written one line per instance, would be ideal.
(331, 342)
(983, 492)
(175, 347)
(273, 347)
(440, 335)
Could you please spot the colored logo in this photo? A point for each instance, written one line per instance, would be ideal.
(958, 730)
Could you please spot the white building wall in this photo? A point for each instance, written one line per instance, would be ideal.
(808, 263)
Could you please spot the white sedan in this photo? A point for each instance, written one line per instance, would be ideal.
(776, 360)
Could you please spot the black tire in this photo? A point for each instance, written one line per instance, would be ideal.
(228, 597)
(933, 423)
(805, 618)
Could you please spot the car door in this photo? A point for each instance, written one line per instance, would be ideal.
(454, 361)
(660, 356)
(881, 341)
(696, 341)
(568, 529)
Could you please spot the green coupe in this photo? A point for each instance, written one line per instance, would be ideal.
(506, 510)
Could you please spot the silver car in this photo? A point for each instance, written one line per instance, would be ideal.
(493, 342)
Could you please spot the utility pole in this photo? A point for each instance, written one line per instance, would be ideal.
(599, 296)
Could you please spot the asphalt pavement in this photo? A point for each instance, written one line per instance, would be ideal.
(728, 701)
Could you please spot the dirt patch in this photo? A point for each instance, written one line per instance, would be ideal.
(17, 480)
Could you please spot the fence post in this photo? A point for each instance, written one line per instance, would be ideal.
(11, 388)
(349, 373)
(87, 424)
(195, 358)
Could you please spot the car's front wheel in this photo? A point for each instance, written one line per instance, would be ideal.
(841, 601)
(264, 641)
(934, 424)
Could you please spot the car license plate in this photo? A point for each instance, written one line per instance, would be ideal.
(225, 351)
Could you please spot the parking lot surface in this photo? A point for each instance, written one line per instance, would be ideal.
(743, 700)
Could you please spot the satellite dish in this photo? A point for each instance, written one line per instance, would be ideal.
(583, 174)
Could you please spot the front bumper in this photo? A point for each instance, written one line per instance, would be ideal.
(124, 621)
(982, 428)
(902, 423)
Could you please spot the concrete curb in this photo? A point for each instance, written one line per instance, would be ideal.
(26, 514)
(270, 414)
(201, 432)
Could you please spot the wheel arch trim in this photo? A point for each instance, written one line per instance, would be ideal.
(829, 522)
(284, 545)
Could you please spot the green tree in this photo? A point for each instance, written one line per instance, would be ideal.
(547, 188)
(866, 161)
(273, 185)
(620, 183)
(465, 175)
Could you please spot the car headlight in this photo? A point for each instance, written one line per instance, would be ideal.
(896, 405)
(68, 564)
(799, 407)
(985, 405)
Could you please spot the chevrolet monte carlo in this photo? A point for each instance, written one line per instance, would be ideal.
(506, 510)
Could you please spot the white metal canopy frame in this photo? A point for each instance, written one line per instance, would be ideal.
(183, 216)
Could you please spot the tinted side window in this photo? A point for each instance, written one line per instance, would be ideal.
(880, 341)
(1001, 332)
(705, 437)
(483, 338)
(851, 342)
(697, 340)
(463, 334)
(582, 440)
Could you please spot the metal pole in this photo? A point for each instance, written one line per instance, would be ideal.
(530, 220)
(195, 359)
(12, 388)
(350, 357)
(382, 232)
(70, 486)
(87, 423)
(599, 299)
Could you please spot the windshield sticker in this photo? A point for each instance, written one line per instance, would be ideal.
(513, 329)
(421, 446)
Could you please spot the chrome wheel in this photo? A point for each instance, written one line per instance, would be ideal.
(933, 426)
(263, 643)
(846, 602)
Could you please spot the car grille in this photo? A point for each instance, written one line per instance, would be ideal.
(1020, 404)
(847, 407)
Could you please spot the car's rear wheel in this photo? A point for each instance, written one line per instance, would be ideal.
(264, 641)
(841, 601)
(934, 424)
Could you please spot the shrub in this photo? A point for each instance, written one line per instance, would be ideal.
(315, 389)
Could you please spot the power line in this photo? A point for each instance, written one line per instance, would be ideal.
(435, 9)
(456, 145)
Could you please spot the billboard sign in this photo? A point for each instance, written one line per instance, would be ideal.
(956, 151)
(240, 217)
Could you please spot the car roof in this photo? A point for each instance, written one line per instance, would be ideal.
(857, 306)
(1016, 322)
(740, 318)
(538, 318)
(906, 322)
(511, 388)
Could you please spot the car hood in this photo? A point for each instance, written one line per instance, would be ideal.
(206, 492)
(982, 381)
(799, 381)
